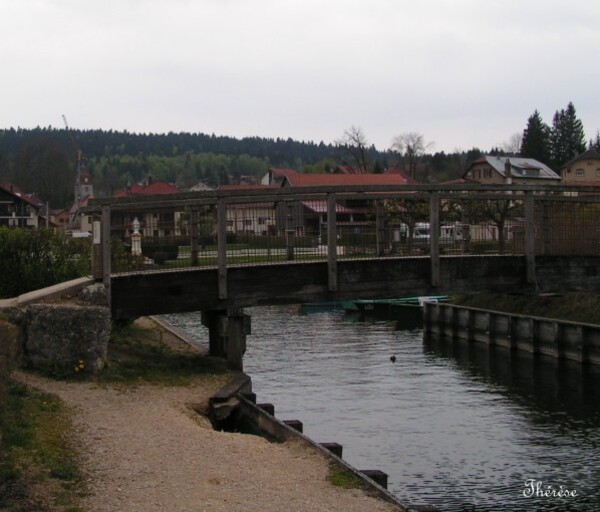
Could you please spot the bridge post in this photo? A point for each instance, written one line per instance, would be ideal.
(331, 243)
(193, 236)
(379, 227)
(210, 320)
(227, 334)
(434, 237)
(222, 248)
(106, 256)
(97, 272)
(545, 227)
(289, 232)
(530, 237)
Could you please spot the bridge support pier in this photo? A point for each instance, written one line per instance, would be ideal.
(227, 331)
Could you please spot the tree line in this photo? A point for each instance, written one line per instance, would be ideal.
(557, 144)
(44, 160)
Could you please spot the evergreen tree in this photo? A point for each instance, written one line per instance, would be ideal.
(536, 139)
(594, 144)
(567, 136)
(42, 167)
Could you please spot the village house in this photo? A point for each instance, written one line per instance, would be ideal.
(275, 176)
(256, 219)
(309, 218)
(17, 209)
(584, 169)
(502, 170)
(155, 223)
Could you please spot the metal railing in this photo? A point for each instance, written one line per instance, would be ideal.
(251, 227)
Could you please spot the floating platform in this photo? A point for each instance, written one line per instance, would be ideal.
(406, 311)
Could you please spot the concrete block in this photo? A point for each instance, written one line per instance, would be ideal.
(335, 448)
(377, 476)
(295, 424)
(268, 408)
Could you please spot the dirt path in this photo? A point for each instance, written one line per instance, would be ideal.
(144, 449)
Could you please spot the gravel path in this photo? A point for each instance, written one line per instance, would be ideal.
(144, 450)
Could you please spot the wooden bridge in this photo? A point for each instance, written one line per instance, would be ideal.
(224, 250)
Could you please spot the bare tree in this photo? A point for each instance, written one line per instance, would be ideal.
(410, 147)
(513, 145)
(353, 147)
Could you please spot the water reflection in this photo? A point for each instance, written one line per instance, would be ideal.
(456, 425)
(546, 386)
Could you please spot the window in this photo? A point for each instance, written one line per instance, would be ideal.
(248, 222)
(230, 223)
(487, 173)
(261, 220)
(477, 174)
(579, 173)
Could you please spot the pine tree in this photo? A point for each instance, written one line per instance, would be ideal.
(567, 136)
(536, 139)
(594, 144)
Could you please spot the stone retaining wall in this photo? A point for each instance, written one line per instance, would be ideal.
(555, 338)
(67, 335)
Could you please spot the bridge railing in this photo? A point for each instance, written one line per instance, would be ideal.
(269, 226)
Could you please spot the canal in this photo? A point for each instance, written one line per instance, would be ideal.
(458, 426)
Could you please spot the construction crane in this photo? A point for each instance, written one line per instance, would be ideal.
(78, 159)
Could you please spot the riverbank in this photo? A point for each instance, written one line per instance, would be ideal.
(573, 307)
(142, 446)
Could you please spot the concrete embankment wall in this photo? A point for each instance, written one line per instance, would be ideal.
(63, 328)
(234, 408)
(555, 338)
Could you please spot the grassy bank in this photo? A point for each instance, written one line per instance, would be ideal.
(38, 467)
(38, 461)
(573, 307)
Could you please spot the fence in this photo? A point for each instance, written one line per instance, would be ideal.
(250, 227)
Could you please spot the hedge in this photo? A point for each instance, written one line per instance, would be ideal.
(31, 259)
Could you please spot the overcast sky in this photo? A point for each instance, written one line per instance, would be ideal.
(464, 73)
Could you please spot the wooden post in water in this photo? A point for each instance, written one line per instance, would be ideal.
(222, 248)
(331, 243)
(434, 237)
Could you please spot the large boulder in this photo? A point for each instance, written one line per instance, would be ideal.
(68, 338)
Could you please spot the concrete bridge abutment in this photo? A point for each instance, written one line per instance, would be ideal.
(227, 331)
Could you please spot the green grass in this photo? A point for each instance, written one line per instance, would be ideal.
(573, 307)
(345, 479)
(35, 448)
(140, 355)
(38, 465)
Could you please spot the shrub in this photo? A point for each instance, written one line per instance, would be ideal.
(35, 258)
(160, 257)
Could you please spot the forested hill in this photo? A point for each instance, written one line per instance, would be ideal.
(43, 160)
(96, 144)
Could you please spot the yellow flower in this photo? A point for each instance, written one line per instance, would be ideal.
(77, 368)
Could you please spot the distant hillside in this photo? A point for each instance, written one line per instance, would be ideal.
(96, 144)
(116, 158)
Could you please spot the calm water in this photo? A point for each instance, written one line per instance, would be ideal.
(458, 426)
